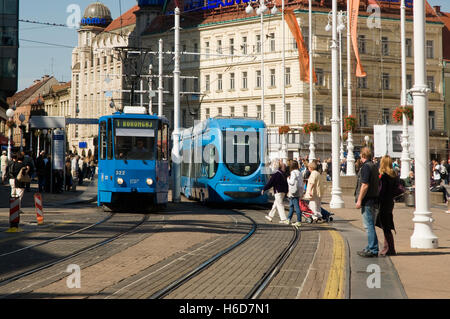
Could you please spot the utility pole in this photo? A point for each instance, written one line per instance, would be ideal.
(312, 147)
(336, 192)
(405, 160)
(160, 81)
(350, 156)
(423, 236)
(176, 160)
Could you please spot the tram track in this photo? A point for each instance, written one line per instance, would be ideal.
(260, 285)
(167, 290)
(59, 237)
(84, 250)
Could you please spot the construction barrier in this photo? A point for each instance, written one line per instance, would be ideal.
(39, 208)
(14, 214)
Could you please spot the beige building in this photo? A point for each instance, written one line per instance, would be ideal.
(57, 101)
(24, 101)
(229, 72)
(225, 77)
(101, 65)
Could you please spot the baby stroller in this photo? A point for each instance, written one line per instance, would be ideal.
(309, 216)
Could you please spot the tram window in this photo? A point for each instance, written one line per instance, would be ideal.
(211, 161)
(241, 152)
(135, 144)
(102, 140)
(109, 140)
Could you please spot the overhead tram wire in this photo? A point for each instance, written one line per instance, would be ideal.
(48, 43)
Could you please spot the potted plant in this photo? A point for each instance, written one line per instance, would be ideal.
(283, 130)
(399, 111)
(350, 123)
(308, 128)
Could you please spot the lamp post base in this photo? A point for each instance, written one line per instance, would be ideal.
(423, 236)
(336, 200)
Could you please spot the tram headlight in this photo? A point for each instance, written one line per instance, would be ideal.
(149, 181)
(120, 181)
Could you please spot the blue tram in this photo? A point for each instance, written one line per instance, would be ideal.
(133, 160)
(223, 160)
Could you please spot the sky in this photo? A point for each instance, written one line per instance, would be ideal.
(38, 59)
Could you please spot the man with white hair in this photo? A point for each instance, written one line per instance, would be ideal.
(4, 165)
(279, 183)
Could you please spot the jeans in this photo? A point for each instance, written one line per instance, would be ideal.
(293, 204)
(368, 215)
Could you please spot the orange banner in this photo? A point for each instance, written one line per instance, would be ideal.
(354, 11)
(302, 51)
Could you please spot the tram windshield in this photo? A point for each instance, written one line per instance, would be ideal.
(135, 139)
(241, 152)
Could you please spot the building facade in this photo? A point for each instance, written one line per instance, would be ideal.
(227, 73)
(115, 63)
(25, 102)
(102, 65)
(9, 49)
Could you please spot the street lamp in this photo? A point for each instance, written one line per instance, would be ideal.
(350, 156)
(312, 147)
(340, 28)
(423, 236)
(336, 192)
(405, 159)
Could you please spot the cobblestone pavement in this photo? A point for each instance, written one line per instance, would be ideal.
(323, 265)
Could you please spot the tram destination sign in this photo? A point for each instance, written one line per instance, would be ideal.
(133, 123)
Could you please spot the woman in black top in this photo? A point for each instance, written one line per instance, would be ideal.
(385, 220)
(16, 165)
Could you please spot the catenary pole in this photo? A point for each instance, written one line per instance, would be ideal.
(405, 159)
(312, 147)
(423, 236)
(350, 156)
(160, 81)
(336, 193)
(176, 194)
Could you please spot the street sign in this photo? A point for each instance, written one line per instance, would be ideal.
(58, 149)
(82, 121)
(41, 122)
(82, 144)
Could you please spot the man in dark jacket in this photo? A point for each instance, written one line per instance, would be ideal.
(366, 196)
(40, 171)
(279, 183)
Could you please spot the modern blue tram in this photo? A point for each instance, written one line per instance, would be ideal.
(223, 160)
(133, 161)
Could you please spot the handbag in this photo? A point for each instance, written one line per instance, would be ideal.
(399, 189)
(23, 177)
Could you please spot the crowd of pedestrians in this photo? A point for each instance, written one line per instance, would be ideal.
(23, 168)
(378, 187)
(296, 181)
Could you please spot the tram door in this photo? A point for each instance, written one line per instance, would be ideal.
(105, 151)
(162, 163)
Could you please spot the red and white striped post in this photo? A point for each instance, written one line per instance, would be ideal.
(14, 214)
(39, 208)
